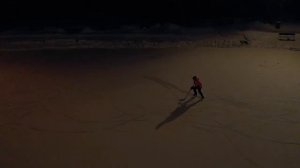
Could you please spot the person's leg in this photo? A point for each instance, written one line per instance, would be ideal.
(195, 90)
(200, 92)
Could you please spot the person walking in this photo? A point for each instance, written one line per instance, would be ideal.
(197, 87)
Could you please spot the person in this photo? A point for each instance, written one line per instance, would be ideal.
(197, 87)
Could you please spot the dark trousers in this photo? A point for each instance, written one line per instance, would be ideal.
(195, 88)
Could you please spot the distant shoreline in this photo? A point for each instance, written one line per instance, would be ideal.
(198, 38)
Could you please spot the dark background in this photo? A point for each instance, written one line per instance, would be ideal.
(144, 12)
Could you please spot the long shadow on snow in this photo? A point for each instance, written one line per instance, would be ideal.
(180, 110)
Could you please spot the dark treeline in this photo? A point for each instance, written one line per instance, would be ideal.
(144, 12)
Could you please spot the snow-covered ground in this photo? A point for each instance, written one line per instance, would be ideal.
(91, 108)
(157, 36)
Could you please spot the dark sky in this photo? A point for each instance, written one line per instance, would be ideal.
(143, 11)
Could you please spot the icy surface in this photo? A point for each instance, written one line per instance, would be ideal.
(121, 108)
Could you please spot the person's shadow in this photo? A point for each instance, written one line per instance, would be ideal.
(184, 107)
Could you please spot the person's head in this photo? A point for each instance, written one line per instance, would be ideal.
(194, 77)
